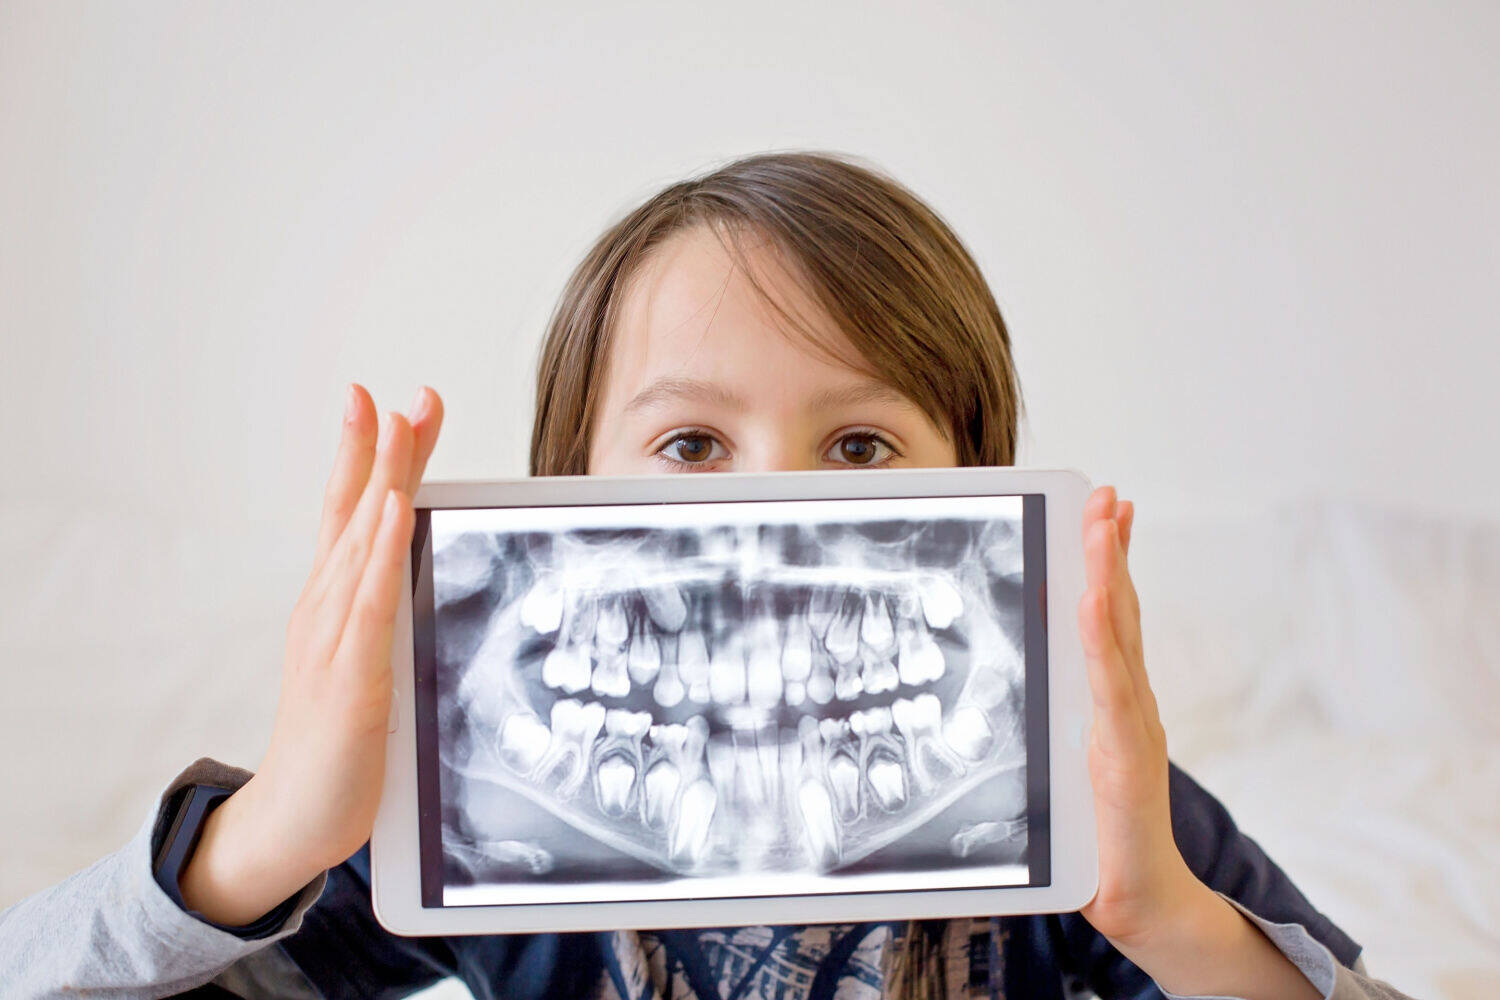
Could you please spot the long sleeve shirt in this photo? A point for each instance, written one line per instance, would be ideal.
(110, 931)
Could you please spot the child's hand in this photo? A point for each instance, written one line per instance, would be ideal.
(312, 803)
(1142, 877)
(1150, 905)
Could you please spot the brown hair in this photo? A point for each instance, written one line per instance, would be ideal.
(888, 270)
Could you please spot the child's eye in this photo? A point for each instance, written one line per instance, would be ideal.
(692, 448)
(861, 448)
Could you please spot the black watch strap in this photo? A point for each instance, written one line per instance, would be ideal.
(188, 808)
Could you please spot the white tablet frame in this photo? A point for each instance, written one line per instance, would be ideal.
(394, 854)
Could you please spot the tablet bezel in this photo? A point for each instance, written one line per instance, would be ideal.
(394, 846)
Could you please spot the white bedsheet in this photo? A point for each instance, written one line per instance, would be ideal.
(1331, 673)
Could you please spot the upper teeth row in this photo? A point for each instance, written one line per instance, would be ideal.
(844, 645)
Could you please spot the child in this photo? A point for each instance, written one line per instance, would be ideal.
(784, 312)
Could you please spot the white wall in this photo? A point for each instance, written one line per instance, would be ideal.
(1248, 254)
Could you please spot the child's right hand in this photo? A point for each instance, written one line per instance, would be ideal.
(312, 802)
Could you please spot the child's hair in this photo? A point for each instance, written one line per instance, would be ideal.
(885, 267)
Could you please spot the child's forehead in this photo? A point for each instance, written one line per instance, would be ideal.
(692, 304)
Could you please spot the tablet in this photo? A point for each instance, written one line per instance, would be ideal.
(731, 699)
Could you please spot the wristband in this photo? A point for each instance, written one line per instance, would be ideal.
(189, 808)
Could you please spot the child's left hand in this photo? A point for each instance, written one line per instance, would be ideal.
(1144, 884)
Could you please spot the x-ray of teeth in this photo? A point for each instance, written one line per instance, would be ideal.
(737, 697)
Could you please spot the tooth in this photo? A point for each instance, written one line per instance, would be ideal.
(695, 814)
(644, 658)
(969, 733)
(796, 691)
(887, 782)
(843, 775)
(920, 658)
(692, 664)
(875, 627)
(763, 676)
(580, 622)
(543, 606)
(615, 783)
(941, 602)
(819, 825)
(769, 753)
(879, 675)
(842, 640)
(848, 685)
(870, 721)
(612, 629)
(822, 608)
(820, 684)
(623, 722)
(610, 680)
(920, 720)
(574, 726)
(974, 836)
(661, 791)
(726, 672)
(833, 731)
(523, 740)
(683, 744)
(668, 691)
(750, 779)
(666, 607)
(567, 668)
(721, 765)
(796, 652)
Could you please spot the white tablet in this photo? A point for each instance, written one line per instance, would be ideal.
(714, 700)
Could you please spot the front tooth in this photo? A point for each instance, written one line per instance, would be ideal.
(610, 680)
(666, 607)
(566, 668)
(818, 824)
(920, 720)
(612, 629)
(749, 777)
(692, 664)
(820, 684)
(875, 627)
(661, 791)
(887, 782)
(880, 675)
(763, 676)
(726, 672)
(615, 782)
(843, 775)
(796, 652)
(543, 606)
(523, 740)
(695, 814)
(644, 658)
(574, 727)
(941, 601)
(968, 732)
(842, 640)
(920, 658)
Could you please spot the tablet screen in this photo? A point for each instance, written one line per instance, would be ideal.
(714, 699)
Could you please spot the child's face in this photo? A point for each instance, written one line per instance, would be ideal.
(703, 377)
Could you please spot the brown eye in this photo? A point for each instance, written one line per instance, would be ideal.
(860, 449)
(692, 449)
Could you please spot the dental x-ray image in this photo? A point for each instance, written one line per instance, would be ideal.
(672, 700)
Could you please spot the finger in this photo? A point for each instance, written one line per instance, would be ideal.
(1125, 615)
(364, 649)
(426, 420)
(1125, 517)
(1100, 504)
(1117, 717)
(351, 469)
(340, 575)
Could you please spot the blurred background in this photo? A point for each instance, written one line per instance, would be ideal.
(1248, 255)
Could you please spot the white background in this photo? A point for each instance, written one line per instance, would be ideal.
(1248, 254)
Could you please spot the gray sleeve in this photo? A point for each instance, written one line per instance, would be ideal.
(111, 932)
(1315, 962)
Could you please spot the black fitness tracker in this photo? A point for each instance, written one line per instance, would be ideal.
(188, 809)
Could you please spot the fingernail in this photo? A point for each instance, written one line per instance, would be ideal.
(389, 429)
(351, 402)
(419, 404)
(392, 504)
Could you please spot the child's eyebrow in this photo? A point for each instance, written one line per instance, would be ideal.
(670, 387)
